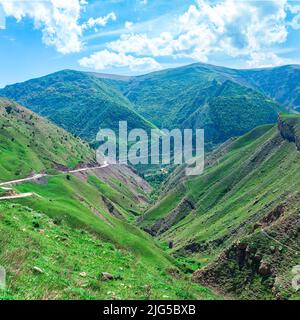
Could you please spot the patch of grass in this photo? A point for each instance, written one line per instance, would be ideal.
(80, 204)
(29, 143)
(122, 199)
(71, 261)
(163, 207)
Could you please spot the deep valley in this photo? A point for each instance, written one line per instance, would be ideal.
(71, 228)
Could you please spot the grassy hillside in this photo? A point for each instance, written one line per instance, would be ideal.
(236, 226)
(82, 204)
(279, 83)
(193, 95)
(56, 242)
(29, 143)
(251, 192)
(233, 112)
(48, 259)
(200, 96)
(67, 231)
(78, 102)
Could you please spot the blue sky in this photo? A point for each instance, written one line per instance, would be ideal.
(140, 36)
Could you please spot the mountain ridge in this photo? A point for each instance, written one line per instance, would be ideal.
(76, 101)
(243, 214)
(176, 97)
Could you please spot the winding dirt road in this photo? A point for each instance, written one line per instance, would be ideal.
(36, 177)
(18, 196)
(89, 168)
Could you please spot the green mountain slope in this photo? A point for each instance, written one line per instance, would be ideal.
(281, 83)
(241, 217)
(29, 143)
(32, 145)
(77, 274)
(78, 102)
(199, 95)
(225, 102)
(56, 241)
(233, 111)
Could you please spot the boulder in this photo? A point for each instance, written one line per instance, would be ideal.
(105, 276)
(83, 274)
(264, 269)
(38, 270)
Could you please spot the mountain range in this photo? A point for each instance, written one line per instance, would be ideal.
(71, 229)
(225, 102)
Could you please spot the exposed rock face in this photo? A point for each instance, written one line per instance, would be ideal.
(290, 130)
(179, 213)
(111, 208)
(204, 246)
(260, 262)
(273, 215)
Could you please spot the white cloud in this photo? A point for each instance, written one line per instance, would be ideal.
(58, 20)
(295, 23)
(104, 59)
(141, 44)
(242, 29)
(236, 28)
(101, 21)
(2, 19)
(128, 25)
(246, 29)
(264, 60)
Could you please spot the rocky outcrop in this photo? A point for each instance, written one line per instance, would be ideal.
(274, 215)
(105, 276)
(264, 269)
(206, 246)
(179, 213)
(258, 266)
(111, 208)
(289, 128)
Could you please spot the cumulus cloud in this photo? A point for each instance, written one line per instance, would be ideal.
(241, 29)
(295, 23)
(141, 44)
(128, 25)
(244, 29)
(58, 20)
(105, 59)
(264, 60)
(101, 21)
